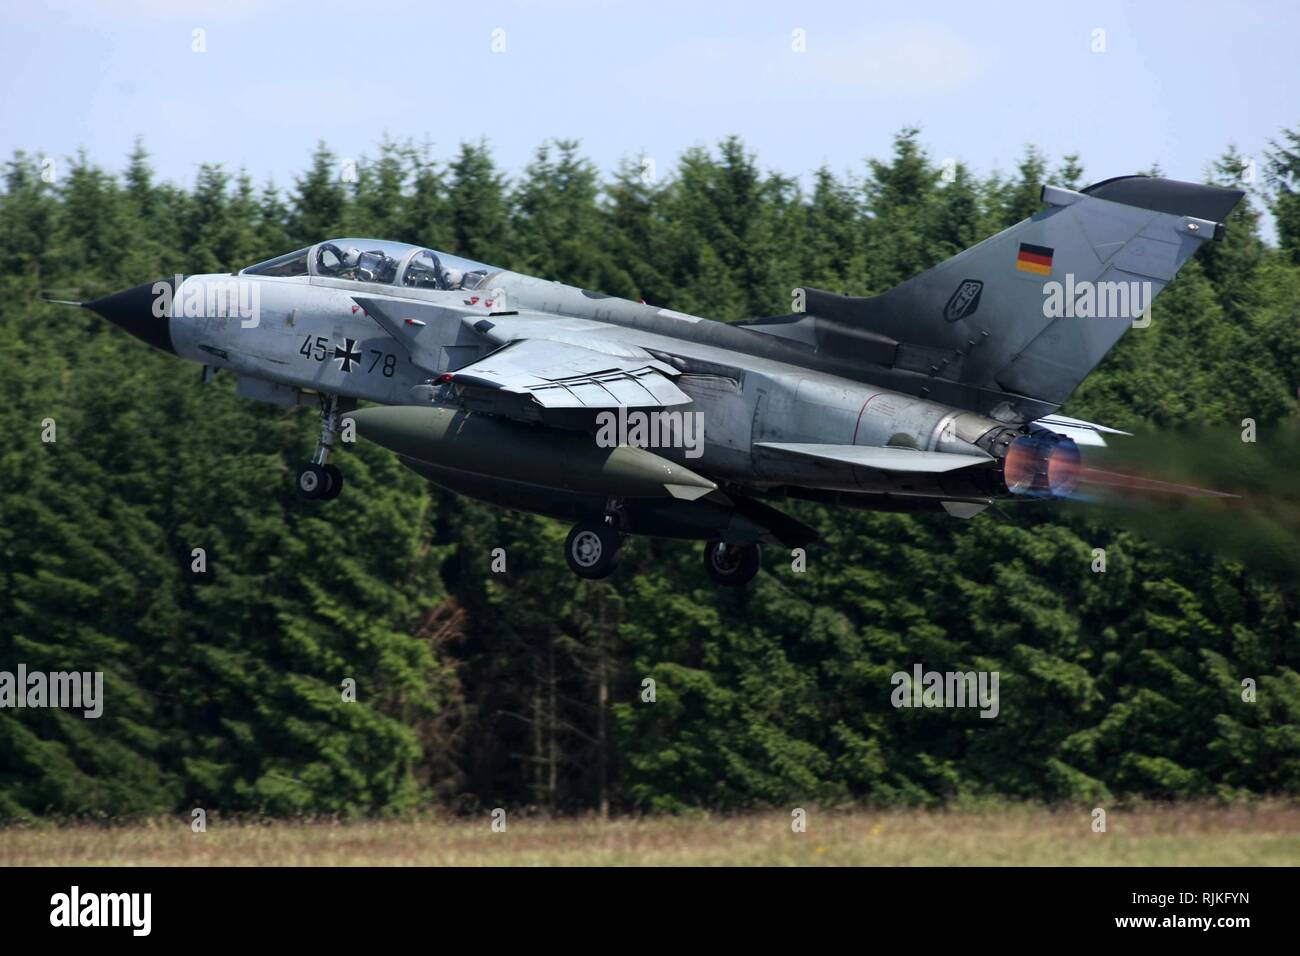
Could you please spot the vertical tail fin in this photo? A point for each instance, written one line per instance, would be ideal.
(1011, 326)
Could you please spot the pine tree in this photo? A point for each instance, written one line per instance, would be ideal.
(318, 211)
(1282, 167)
(477, 210)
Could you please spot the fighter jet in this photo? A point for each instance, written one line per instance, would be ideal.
(629, 419)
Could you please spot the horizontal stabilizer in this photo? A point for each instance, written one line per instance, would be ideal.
(1083, 433)
(881, 459)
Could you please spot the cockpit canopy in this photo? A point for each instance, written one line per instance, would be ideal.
(378, 261)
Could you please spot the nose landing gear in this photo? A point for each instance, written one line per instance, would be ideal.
(319, 482)
(317, 479)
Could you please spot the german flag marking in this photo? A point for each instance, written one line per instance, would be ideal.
(1035, 259)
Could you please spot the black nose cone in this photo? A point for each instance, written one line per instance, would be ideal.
(143, 311)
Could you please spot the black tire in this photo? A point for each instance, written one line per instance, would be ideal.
(731, 565)
(592, 549)
(313, 482)
(334, 477)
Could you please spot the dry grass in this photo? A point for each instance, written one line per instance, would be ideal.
(1266, 834)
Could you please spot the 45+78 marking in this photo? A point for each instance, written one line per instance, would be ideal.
(319, 348)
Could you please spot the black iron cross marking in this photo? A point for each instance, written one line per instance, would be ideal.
(348, 353)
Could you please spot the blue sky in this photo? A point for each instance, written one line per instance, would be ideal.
(1177, 81)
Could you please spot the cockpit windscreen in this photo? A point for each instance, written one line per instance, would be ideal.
(286, 266)
(379, 261)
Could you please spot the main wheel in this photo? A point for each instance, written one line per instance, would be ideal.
(592, 549)
(731, 565)
(334, 478)
(313, 481)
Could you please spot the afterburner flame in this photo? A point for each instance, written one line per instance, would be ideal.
(1063, 466)
(1021, 466)
(1120, 484)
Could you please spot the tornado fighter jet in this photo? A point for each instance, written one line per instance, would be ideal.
(624, 418)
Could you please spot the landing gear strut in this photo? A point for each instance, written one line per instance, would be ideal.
(731, 565)
(319, 480)
(593, 548)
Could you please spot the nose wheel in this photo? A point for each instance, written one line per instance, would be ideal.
(318, 480)
(731, 565)
(592, 549)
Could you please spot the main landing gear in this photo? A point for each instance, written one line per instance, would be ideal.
(318, 480)
(593, 548)
(731, 565)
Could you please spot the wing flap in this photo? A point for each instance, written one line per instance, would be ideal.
(563, 375)
(636, 388)
(562, 384)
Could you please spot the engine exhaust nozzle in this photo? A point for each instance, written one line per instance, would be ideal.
(1043, 464)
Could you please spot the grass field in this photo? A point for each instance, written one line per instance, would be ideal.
(1263, 835)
